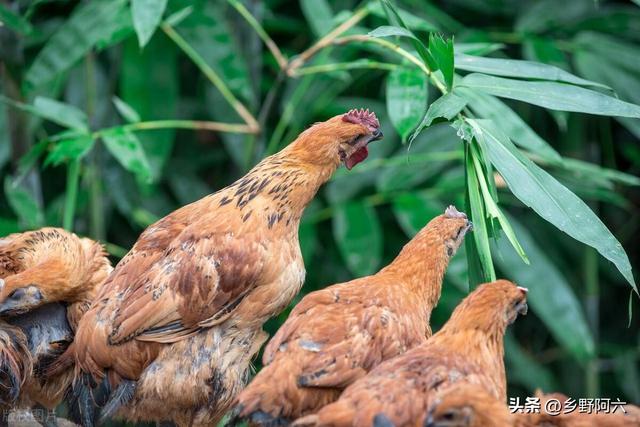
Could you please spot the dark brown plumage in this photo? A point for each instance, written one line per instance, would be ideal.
(177, 323)
(336, 335)
(468, 348)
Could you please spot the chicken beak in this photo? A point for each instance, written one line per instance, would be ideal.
(376, 135)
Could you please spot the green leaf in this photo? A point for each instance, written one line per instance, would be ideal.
(69, 149)
(489, 107)
(127, 149)
(406, 99)
(619, 53)
(358, 234)
(548, 198)
(417, 23)
(414, 210)
(447, 106)
(520, 69)
(480, 230)
(24, 205)
(442, 51)
(555, 96)
(91, 24)
(562, 314)
(396, 19)
(143, 72)
(126, 111)
(147, 15)
(319, 16)
(595, 172)
(477, 48)
(14, 21)
(390, 31)
(64, 114)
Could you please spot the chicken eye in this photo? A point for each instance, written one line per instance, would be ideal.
(449, 416)
(356, 139)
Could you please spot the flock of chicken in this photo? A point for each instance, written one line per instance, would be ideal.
(168, 335)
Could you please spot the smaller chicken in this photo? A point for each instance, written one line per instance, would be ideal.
(336, 335)
(468, 348)
(48, 278)
(468, 405)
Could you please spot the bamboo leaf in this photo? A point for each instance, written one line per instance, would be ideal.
(414, 210)
(61, 113)
(416, 23)
(447, 106)
(29, 213)
(358, 234)
(126, 111)
(406, 99)
(442, 51)
(147, 15)
(14, 21)
(127, 149)
(319, 16)
(91, 24)
(521, 70)
(548, 198)
(390, 31)
(69, 149)
(552, 95)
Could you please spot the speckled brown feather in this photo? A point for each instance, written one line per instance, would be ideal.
(468, 348)
(211, 272)
(336, 335)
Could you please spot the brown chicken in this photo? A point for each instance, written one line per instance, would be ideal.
(336, 335)
(172, 334)
(39, 272)
(468, 405)
(468, 348)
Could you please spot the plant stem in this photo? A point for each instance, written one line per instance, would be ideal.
(180, 124)
(251, 20)
(324, 68)
(326, 40)
(73, 176)
(213, 77)
(397, 49)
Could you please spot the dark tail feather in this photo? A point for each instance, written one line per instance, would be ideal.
(86, 398)
(121, 395)
(267, 420)
(62, 363)
(381, 420)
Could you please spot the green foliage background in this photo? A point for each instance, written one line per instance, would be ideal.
(115, 113)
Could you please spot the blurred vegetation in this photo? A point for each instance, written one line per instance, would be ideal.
(115, 113)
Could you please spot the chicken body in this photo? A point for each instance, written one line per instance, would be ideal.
(336, 335)
(468, 348)
(468, 405)
(48, 279)
(177, 323)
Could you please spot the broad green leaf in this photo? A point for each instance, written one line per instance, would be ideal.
(442, 51)
(477, 49)
(562, 314)
(14, 21)
(91, 24)
(127, 149)
(412, 21)
(414, 210)
(480, 230)
(447, 106)
(619, 53)
(126, 111)
(552, 95)
(147, 15)
(597, 172)
(548, 198)
(143, 72)
(64, 114)
(319, 16)
(489, 107)
(69, 149)
(24, 205)
(406, 99)
(358, 234)
(520, 69)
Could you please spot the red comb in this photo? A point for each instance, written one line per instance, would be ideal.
(362, 117)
